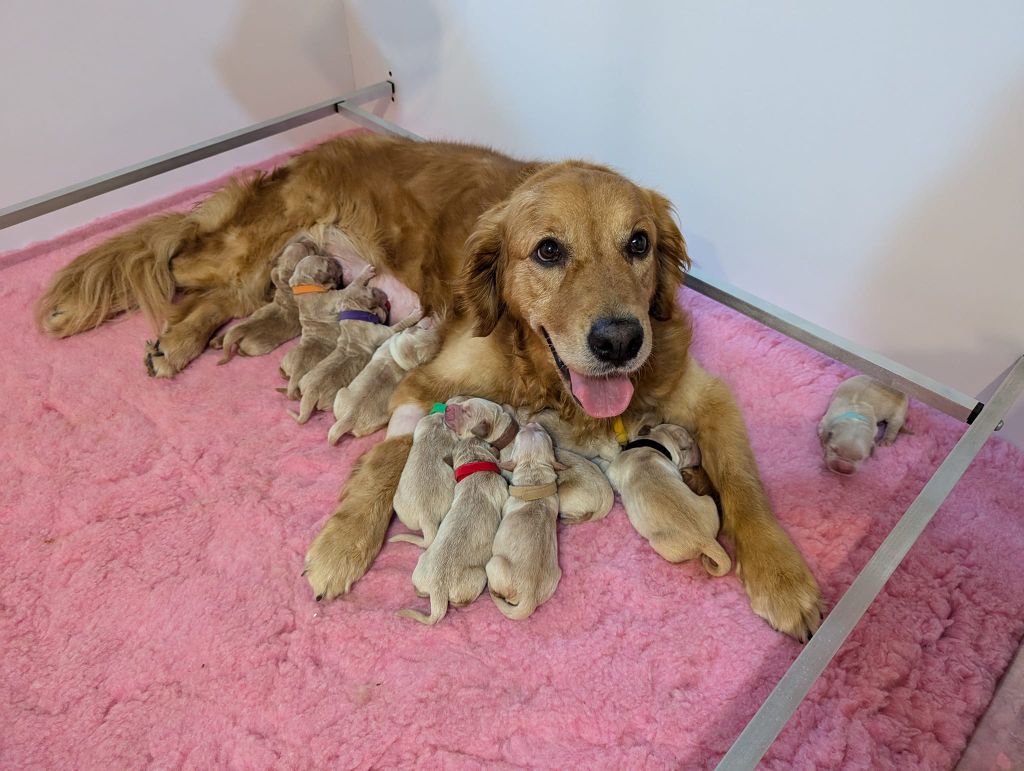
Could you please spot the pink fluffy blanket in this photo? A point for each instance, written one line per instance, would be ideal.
(152, 612)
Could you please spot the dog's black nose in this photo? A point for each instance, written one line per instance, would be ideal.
(615, 341)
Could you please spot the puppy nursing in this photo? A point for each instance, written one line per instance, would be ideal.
(360, 329)
(362, 407)
(313, 285)
(849, 428)
(427, 485)
(523, 570)
(276, 322)
(679, 524)
(451, 570)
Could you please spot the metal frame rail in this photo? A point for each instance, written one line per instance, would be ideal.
(755, 739)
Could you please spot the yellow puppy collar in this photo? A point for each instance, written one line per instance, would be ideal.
(620, 430)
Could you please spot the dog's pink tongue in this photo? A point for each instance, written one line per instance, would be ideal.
(602, 397)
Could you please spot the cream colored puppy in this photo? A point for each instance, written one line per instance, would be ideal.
(362, 328)
(678, 523)
(584, 494)
(318, 301)
(849, 427)
(427, 485)
(362, 407)
(602, 448)
(523, 571)
(275, 323)
(483, 419)
(451, 570)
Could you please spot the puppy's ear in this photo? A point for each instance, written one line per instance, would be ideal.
(480, 285)
(671, 256)
(559, 466)
(481, 429)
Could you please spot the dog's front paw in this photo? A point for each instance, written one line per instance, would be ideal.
(782, 590)
(336, 560)
(156, 360)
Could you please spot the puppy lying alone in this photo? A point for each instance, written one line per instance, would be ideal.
(451, 570)
(427, 485)
(523, 570)
(313, 286)
(276, 322)
(362, 327)
(362, 407)
(849, 428)
(679, 524)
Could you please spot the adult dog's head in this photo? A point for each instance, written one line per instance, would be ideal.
(584, 259)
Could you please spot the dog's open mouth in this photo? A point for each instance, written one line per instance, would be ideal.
(600, 397)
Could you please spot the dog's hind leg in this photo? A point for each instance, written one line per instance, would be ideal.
(190, 324)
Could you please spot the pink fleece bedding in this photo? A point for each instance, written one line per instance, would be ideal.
(152, 612)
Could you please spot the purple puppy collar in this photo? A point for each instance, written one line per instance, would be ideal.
(359, 316)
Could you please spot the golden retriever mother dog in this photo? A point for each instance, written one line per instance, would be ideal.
(556, 283)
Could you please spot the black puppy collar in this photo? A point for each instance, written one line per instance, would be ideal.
(647, 443)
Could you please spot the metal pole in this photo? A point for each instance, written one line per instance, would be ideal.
(44, 204)
(921, 387)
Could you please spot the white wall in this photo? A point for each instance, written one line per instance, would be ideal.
(861, 164)
(90, 87)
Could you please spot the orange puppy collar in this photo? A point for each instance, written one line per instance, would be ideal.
(308, 289)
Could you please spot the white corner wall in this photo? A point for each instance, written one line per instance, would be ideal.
(860, 164)
(92, 87)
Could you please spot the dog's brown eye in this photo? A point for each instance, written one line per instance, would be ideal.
(548, 252)
(639, 244)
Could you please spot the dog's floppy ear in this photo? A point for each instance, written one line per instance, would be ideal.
(671, 257)
(480, 283)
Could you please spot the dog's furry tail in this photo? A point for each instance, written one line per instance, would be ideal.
(438, 609)
(130, 270)
(715, 559)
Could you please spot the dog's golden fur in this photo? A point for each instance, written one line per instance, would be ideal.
(459, 225)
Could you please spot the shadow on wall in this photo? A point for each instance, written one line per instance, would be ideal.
(258, 63)
(945, 248)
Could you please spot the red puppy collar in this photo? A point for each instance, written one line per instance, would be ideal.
(466, 469)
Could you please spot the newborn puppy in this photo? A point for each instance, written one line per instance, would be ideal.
(427, 484)
(362, 318)
(849, 427)
(362, 407)
(601, 448)
(583, 490)
(451, 570)
(276, 322)
(483, 419)
(523, 570)
(312, 285)
(678, 523)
